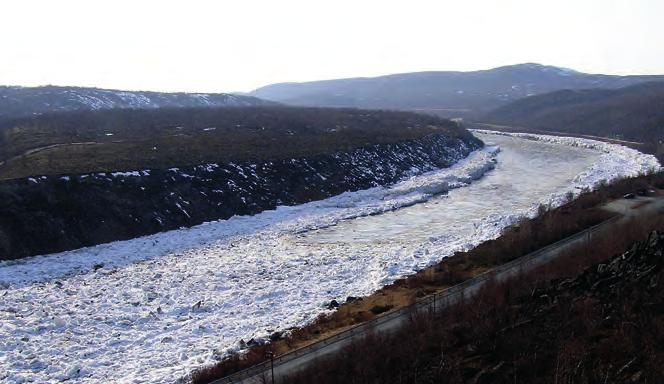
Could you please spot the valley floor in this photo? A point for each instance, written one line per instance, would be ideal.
(154, 308)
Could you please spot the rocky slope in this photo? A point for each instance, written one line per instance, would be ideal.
(450, 94)
(27, 101)
(55, 213)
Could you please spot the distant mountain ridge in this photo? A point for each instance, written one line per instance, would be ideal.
(27, 101)
(448, 93)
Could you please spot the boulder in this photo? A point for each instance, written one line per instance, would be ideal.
(352, 299)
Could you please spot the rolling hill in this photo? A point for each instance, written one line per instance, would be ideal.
(449, 94)
(28, 101)
(634, 113)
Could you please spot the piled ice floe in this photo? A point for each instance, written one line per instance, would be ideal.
(154, 308)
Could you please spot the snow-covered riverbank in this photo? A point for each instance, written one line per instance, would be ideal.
(151, 309)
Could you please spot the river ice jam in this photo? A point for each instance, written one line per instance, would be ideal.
(165, 304)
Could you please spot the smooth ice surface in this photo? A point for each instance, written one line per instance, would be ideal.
(165, 304)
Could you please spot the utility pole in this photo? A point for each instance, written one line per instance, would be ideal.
(270, 355)
(434, 303)
(588, 243)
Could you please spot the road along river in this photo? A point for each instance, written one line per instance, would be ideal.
(165, 304)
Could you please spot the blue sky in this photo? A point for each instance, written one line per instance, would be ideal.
(211, 46)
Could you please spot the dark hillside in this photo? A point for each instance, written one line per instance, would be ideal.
(633, 113)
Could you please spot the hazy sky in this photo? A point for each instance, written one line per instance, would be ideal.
(238, 45)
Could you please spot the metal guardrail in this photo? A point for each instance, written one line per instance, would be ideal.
(426, 302)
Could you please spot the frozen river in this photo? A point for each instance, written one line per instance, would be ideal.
(526, 172)
(165, 304)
